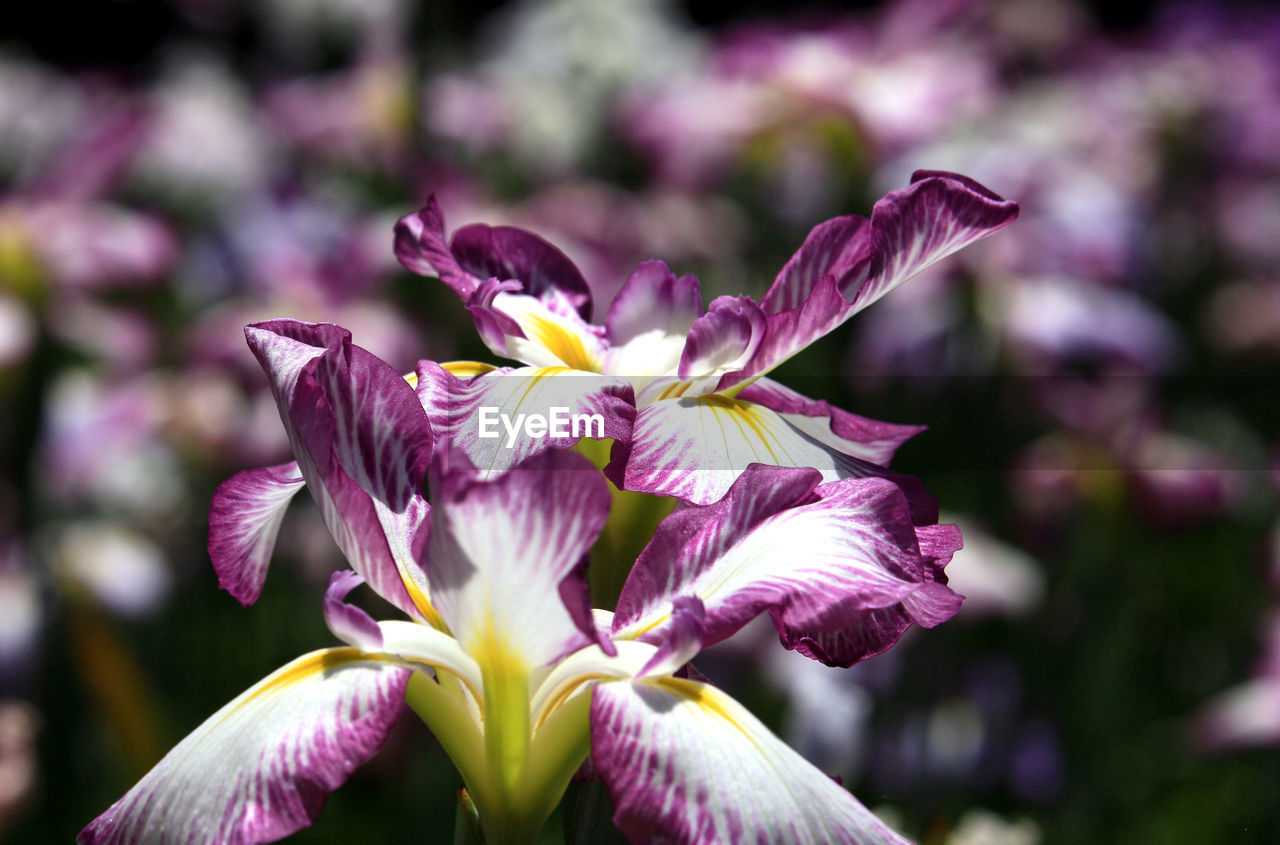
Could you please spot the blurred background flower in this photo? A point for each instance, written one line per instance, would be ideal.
(1099, 380)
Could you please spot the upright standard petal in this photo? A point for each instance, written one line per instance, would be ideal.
(817, 558)
(362, 442)
(649, 320)
(479, 252)
(420, 245)
(845, 266)
(261, 767)
(505, 556)
(244, 520)
(505, 252)
(685, 763)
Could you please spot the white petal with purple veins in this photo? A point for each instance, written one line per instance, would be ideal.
(244, 520)
(261, 767)
(685, 763)
(815, 557)
(505, 555)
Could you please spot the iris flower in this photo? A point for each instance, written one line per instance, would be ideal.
(704, 407)
(501, 654)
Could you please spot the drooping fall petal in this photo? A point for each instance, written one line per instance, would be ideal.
(261, 767)
(685, 763)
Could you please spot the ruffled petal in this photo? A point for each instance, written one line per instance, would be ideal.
(244, 520)
(490, 417)
(649, 320)
(845, 265)
(261, 767)
(362, 442)
(505, 555)
(685, 763)
(505, 252)
(817, 558)
(722, 339)
(421, 247)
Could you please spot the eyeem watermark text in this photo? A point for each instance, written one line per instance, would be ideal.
(559, 423)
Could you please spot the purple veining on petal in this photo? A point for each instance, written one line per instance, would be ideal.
(261, 767)
(493, 325)
(692, 538)
(506, 252)
(421, 247)
(362, 441)
(910, 229)
(939, 213)
(723, 338)
(347, 622)
(671, 454)
(684, 637)
(865, 438)
(502, 549)
(685, 763)
(653, 299)
(852, 550)
(839, 248)
(244, 520)
(454, 406)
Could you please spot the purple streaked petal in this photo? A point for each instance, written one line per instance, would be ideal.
(850, 434)
(492, 324)
(817, 558)
(839, 248)
(683, 637)
(362, 440)
(724, 338)
(939, 213)
(347, 622)
(501, 549)
(244, 520)
(421, 247)
(261, 767)
(844, 267)
(454, 406)
(506, 252)
(685, 763)
(694, 448)
(649, 321)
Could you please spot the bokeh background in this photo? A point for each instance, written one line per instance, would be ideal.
(1100, 380)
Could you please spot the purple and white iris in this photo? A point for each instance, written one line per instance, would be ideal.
(704, 408)
(501, 653)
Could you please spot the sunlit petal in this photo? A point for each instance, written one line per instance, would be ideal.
(694, 448)
(845, 265)
(685, 763)
(362, 441)
(261, 767)
(817, 558)
(505, 556)
(244, 520)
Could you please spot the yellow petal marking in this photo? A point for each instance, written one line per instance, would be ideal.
(560, 342)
